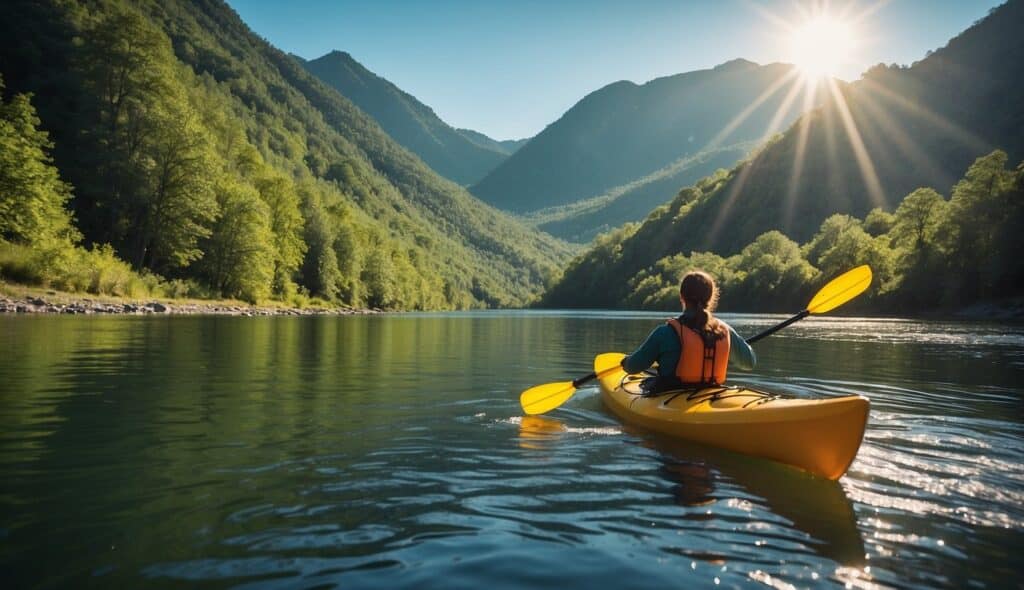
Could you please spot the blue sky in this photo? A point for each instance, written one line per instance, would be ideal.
(510, 68)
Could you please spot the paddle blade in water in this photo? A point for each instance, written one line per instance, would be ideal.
(841, 289)
(547, 397)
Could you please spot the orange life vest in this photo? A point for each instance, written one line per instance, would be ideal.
(700, 361)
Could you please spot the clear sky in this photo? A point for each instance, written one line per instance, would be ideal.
(509, 68)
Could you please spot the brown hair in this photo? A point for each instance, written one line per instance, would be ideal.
(700, 294)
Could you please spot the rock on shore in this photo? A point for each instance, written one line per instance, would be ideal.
(87, 306)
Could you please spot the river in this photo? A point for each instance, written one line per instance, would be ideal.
(390, 451)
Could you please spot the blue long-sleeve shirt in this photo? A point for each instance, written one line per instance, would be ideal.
(662, 345)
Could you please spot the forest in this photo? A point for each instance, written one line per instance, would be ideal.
(161, 148)
(931, 253)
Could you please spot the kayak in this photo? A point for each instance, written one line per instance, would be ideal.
(819, 436)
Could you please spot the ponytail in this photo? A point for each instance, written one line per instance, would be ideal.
(700, 294)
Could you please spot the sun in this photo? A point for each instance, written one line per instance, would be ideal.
(821, 46)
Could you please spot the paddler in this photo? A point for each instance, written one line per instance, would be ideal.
(707, 343)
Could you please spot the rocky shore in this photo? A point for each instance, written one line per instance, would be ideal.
(89, 306)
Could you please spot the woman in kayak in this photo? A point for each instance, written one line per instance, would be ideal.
(695, 348)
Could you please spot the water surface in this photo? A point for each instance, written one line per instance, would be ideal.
(390, 451)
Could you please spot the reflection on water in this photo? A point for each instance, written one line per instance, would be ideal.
(817, 507)
(390, 451)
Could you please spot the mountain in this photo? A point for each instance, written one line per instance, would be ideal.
(505, 146)
(870, 144)
(624, 132)
(461, 155)
(582, 221)
(199, 151)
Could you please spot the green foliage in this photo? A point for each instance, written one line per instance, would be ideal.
(658, 287)
(878, 221)
(37, 235)
(20, 263)
(239, 255)
(976, 213)
(97, 271)
(278, 192)
(773, 269)
(201, 153)
(32, 195)
(930, 253)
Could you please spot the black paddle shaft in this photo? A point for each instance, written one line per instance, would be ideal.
(778, 327)
(584, 379)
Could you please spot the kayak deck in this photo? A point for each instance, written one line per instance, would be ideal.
(818, 436)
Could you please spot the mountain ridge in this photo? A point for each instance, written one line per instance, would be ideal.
(624, 131)
(415, 125)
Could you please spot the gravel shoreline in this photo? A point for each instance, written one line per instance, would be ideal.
(87, 306)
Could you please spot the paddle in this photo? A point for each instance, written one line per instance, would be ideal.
(544, 398)
(837, 292)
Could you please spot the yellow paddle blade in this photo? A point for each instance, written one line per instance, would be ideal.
(841, 289)
(547, 397)
(607, 362)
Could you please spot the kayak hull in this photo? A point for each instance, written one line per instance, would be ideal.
(818, 436)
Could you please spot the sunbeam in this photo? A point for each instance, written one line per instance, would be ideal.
(864, 163)
(798, 157)
(969, 139)
(743, 115)
(784, 107)
(894, 130)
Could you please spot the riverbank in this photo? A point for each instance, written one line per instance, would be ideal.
(1010, 308)
(28, 300)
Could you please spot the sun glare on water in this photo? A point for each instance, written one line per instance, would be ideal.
(821, 46)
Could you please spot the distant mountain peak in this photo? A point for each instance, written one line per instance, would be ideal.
(737, 64)
(414, 125)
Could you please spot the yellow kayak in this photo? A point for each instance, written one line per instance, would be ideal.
(818, 436)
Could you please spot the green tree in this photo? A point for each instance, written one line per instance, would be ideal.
(286, 224)
(773, 271)
(175, 206)
(1008, 240)
(239, 255)
(379, 278)
(917, 222)
(320, 271)
(125, 64)
(349, 255)
(878, 222)
(977, 207)
(32, 195)
(828, 234)
(149, 190)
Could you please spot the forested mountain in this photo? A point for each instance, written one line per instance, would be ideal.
(462, 156)
(204, 155)
(583, 220)
(863, 154)
(505, 146)
(624, 132)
